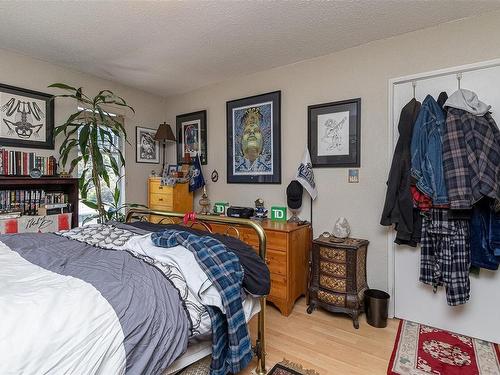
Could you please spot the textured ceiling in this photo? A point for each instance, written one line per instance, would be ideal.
(169, 48)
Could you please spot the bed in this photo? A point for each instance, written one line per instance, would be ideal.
(110, 299)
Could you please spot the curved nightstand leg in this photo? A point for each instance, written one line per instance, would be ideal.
(311, 308)
(355, 320)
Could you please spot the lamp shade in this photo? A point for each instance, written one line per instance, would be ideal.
(164, 133)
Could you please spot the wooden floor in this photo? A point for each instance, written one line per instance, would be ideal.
(326, 342)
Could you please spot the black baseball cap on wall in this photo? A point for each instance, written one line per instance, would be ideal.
(294, 195)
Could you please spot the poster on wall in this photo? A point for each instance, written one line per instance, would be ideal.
(26, 118)
(253, 139)
(334, 136)
(147, 149)
(191, 131)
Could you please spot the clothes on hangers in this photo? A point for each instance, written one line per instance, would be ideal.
(468, 101)
(471, 157)
(485, 235)
(398, 206)
(445, 255)
(441, 100)
(426, 151)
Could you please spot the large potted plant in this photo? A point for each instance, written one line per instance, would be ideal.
(89, 141)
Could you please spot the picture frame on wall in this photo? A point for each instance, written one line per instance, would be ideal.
(26, 118)
(191, 129)
(334, 134)
(254, 139)
(147, 149)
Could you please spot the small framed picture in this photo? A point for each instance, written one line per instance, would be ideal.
(191, 131)
(147, 149)
(172, 168)
(334, 134)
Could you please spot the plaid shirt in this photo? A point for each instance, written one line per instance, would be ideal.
(471, 158)
(231, 347)
(445, 255)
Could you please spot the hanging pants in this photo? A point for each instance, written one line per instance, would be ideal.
(445, 255)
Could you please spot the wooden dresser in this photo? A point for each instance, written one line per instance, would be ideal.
(168, 198)
(288, 247)
(338, 276)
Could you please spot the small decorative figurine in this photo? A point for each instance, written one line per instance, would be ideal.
(204, 203)
(260, 210)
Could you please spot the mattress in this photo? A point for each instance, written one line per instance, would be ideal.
(201, 346)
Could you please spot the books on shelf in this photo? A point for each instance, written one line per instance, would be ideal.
(19, 163)
(29, 201)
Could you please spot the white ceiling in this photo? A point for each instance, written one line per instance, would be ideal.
(170, 47)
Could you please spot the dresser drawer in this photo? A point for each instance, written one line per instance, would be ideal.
(276, 261)
(336, 269)
(278, 286)
(336, 255)
(157, 219)
(274, 240)
(332, 298)
(333, 283)
(156, 200)
(156, 188)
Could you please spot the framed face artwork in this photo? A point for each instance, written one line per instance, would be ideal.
(191, 131)
(334, 134)
(26, 118)
(147, 149)
(253, 139)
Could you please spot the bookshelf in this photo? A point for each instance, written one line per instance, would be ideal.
(49, 184)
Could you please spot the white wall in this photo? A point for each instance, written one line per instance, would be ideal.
(363, 72)
(25, 72)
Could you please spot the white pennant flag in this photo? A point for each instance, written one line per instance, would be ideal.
(305, 175)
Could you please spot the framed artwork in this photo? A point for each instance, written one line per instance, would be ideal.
(26, 118)
(147, 149)
(253, 139)
(334, 134)
(191, 131)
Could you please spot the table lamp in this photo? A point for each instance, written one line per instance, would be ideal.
(164, 134)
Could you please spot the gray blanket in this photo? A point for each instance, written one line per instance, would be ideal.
(151, 313)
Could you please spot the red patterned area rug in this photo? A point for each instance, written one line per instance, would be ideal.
(422, 350)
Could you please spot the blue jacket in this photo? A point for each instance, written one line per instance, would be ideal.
(427, 151)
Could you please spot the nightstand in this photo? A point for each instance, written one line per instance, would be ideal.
(337, 279)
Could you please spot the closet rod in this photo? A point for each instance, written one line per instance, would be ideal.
(443, 73)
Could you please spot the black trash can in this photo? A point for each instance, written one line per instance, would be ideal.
(376, 307)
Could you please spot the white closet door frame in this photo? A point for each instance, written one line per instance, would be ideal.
(392, 141)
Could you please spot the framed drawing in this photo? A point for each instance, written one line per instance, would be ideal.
(253, 139)
(147, 149)
(191, 131)
(26, 118)
(334, 137)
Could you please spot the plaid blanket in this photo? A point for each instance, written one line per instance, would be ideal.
(231, 346)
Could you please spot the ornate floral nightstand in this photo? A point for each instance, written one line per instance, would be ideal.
(337, 279)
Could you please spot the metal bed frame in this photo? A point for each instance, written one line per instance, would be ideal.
(204, 221)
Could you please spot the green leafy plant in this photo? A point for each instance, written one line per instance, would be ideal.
(91, 131)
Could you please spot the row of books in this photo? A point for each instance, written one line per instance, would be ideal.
(29, 202)
(19, 163)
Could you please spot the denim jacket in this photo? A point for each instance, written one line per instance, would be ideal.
(427, 151)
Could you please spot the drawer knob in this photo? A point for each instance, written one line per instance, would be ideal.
(268, 261)
(160, 199)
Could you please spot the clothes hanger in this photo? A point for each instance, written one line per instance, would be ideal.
(414, 85)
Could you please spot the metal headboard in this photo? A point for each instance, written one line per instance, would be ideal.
(204, 221)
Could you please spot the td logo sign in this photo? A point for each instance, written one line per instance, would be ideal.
(278, 213)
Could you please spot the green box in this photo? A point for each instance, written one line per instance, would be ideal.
(278, 213)
(220, 207)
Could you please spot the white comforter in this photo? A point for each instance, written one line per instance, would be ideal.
(81, 327)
